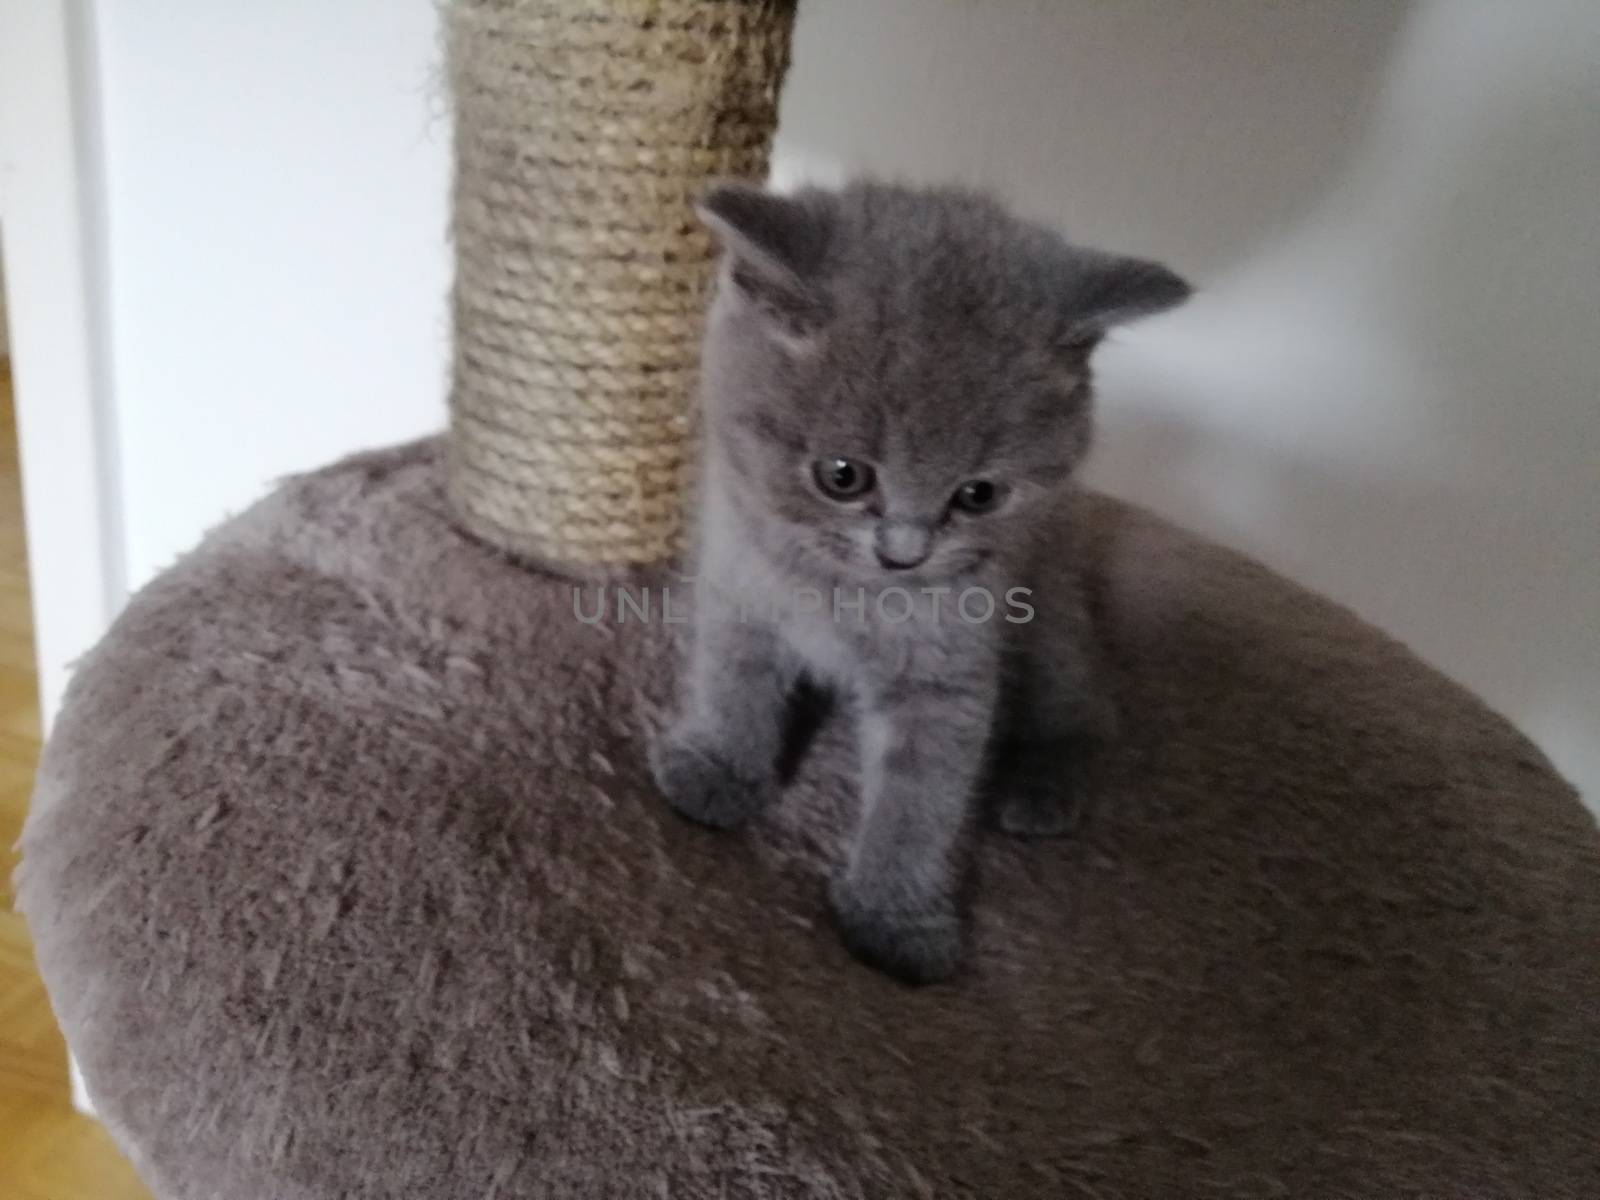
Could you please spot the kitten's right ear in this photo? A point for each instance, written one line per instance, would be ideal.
(774, 245)
(1106, 290)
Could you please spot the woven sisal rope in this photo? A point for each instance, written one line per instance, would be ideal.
(584, 130)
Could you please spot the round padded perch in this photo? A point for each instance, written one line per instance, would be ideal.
(349, 882)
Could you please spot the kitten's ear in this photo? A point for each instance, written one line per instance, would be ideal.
(773, 244)
(1109, 289)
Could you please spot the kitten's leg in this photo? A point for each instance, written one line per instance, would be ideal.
(1055, 712)
(1040, 787)
(922, 758)
(718, 762)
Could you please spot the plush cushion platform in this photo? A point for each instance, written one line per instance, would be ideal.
(348, 881)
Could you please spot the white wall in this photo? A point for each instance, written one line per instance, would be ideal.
(1387, 388)
(275, 182)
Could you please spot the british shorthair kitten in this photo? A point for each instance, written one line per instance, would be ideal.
(895, 396)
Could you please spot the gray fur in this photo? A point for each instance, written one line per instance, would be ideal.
(936, 339)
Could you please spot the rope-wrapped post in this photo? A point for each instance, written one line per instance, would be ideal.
(584, 130)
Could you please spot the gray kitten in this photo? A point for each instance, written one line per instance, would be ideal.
(896, 393)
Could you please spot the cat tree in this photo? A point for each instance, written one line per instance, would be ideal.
(348, 879)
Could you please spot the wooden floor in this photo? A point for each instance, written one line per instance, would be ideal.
(47, 1151)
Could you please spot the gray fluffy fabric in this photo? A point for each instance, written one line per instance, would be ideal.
(349, 881)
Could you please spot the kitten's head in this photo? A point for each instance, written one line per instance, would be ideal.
(897, 379)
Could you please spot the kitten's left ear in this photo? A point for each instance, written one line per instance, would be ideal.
(773, 244)
(1110, 289)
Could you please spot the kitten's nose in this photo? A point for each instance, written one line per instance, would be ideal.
(901, 546)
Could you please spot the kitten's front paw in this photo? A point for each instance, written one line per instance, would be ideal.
(914, 945)
(1038, 814)
(704, 785)
(1039, 789)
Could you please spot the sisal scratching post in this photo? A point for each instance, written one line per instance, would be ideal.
(584, 130)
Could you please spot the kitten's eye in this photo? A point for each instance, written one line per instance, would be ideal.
(979, 496)
(842, 478)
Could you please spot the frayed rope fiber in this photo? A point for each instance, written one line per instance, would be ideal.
(584, 129)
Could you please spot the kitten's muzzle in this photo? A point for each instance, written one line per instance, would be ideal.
(901, 546)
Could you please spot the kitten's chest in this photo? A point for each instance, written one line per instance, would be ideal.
(848, 633)
(867, 636)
